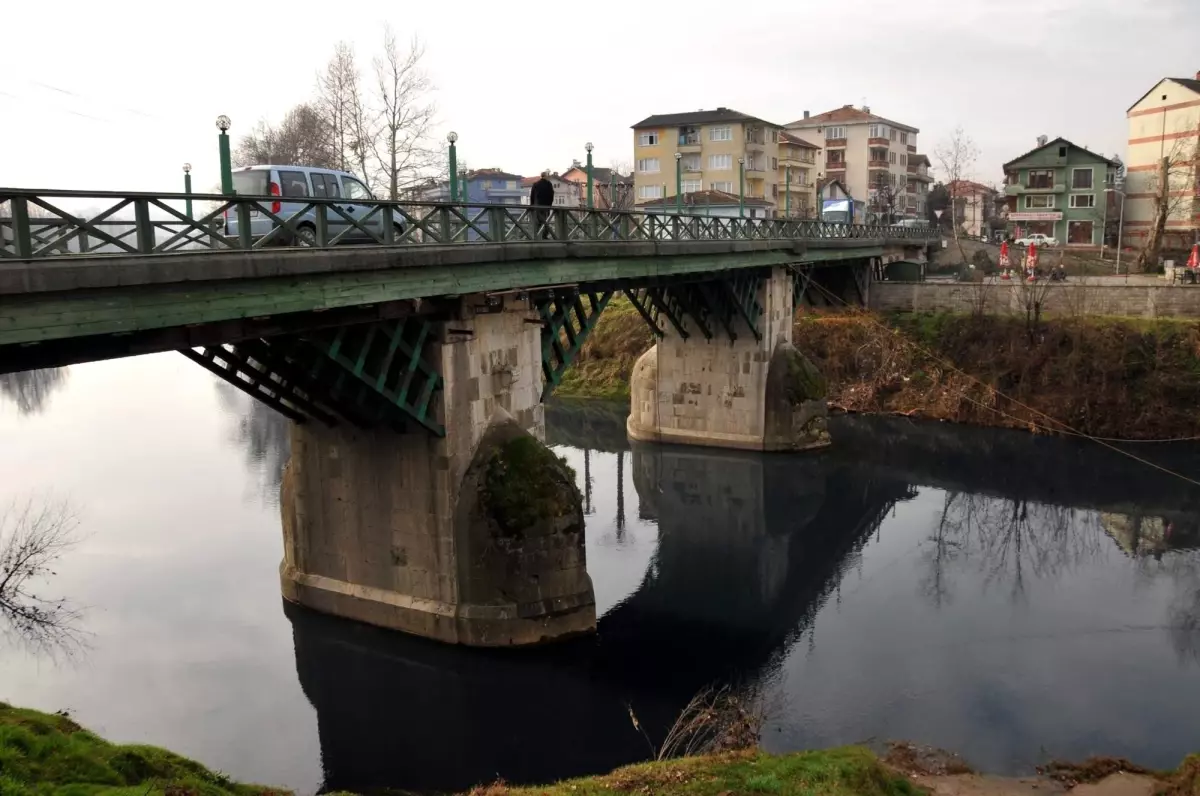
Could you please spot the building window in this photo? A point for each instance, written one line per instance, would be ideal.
(1079, 232)
(691, 186)
(1083, 200)
(1039, 202)
(879, 155)
(720, 162)
(691, 163)
(904, 138)
(724, 187)
(650, 192)
(720, 133)
(648, 139)
(1040, 178)
(903, 160)
(835, 132)
(835, 157)
(893, 132)
(689, 136)
(876, 131)
(648, 165)
(1081, 179)
(892, 158)
(774, 164)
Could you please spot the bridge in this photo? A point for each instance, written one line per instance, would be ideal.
(419, 496)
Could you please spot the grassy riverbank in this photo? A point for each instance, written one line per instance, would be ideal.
(1110, 377)
(42, 753)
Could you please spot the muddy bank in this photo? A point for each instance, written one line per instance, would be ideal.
(1109, 377)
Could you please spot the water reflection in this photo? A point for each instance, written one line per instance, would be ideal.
(31, 390)
(263, 435)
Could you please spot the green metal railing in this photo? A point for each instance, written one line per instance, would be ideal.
(34, 225)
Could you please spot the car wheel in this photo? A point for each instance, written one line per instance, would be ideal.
(397, 232)
(306, 236)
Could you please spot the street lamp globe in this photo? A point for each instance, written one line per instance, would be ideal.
(740, 160)
(222, 122)
(452, 136)
(187, 167)
(678, 155)
(588, 146)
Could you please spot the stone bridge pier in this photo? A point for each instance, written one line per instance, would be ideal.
(474, 537)
(744, 386)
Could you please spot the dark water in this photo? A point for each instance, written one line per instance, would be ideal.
(1007, 597)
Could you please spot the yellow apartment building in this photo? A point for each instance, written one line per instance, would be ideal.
(1164, 123)
(865, 152)
(714, 150)
(798, 170)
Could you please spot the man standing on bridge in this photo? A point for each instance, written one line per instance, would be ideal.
(541, 195)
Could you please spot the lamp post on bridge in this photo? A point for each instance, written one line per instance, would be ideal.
(678, 183)
(187, 188)
(787, 191)
(588, 147)
(452, 137)
(741, 187)
(226, 161)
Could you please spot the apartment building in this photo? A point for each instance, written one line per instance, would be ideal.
(866, 153)
(1059, 189)
(566, 193)
(798, 171)
(916, 189)
(1164, 124)
(714, 149)
(611, 190)
(974, 207)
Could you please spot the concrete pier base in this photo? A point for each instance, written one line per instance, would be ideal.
(749, 393)
(475, 538)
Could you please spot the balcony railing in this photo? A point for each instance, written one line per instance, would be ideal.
(835, 143)
(689, 141)
(877, 164)
(1018, 190)
(883, 142)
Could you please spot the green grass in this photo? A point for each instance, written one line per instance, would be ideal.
(42, 753)
(848, 771)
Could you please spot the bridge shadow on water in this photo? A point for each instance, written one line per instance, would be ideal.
(750, 547)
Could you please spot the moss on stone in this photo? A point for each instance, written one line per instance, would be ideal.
(804, 381)
(524, 484)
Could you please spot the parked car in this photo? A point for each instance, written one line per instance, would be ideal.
(1038, 238)
(293, 185)
(912, 222)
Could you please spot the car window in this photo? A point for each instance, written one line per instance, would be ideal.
(328, 185)
(293, 183)
(355, 189)
(250, 183)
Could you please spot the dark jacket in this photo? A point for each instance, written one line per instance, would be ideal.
(542, 193)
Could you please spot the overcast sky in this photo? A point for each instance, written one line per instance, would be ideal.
(118, 95)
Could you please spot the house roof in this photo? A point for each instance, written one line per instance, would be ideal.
(968, 188)
(484, 174)
(1191, 84)
(1056, 142)
(917, 159)
(600, 175)
(786, 138)
(700, 117)
(827, 181)
(847, 114)
(711, 198)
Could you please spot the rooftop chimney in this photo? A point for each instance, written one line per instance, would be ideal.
(866, 109)
(806, 114)
(1042, 140)
(721, 110)
(575, 163)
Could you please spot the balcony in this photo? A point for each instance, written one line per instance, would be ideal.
(839, 167)
(883, 142)
(1019, 190)
(912, 149)
(689, 166)
(878, 164)
(690, 142)
(835, 143)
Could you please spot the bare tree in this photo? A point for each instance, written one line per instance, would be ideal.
(33, 537)
(1172, 185)
(883, 198)
(301, 139)
(956, 158)
(619, 192)
(403, 150)
(350, 126)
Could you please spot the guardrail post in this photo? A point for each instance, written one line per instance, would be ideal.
(560, 223)
(245, 238)
(321, 221)
(444, 223)
(82, 237)
(22, 235)
(145, 230)
(389, 225)
(497, 224)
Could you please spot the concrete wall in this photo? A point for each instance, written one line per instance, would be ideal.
(1073, 298)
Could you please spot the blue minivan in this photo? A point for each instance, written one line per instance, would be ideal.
(293, 185)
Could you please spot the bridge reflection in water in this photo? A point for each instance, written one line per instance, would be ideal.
(749, 550)
(749, 547)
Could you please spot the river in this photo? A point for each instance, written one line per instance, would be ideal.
(1008, 597)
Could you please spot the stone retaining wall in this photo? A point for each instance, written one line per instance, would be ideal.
(1072, 298)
